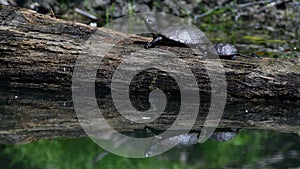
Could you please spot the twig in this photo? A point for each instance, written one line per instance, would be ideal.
(209, 12)
(85, 13)
(272, 4)
(254, 3)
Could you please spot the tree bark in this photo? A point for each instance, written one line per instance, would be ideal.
(38, 55)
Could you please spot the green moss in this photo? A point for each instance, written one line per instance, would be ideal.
(253, 38)
(262, 39)
(275, 41)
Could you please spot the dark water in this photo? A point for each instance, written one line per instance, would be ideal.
(250, 149)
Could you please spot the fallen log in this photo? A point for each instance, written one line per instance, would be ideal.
(37, 50)
(38, 54)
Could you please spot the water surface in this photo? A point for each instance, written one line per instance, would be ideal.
(250, 149)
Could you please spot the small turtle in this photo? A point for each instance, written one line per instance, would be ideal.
(227, 51)
(188, 35)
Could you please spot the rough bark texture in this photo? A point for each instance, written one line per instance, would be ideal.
(38, 54)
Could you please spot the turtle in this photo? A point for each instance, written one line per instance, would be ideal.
(227, 51)
(177, 34)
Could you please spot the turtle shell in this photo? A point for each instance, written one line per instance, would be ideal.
(225, 49)
(184, 34)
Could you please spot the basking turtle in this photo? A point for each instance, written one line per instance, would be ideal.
(188, 35)
(227, 51)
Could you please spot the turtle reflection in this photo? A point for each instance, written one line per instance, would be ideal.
(188, 139)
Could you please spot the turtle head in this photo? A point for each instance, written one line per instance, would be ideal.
(151, 25)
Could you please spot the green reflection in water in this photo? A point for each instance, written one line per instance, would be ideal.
(247, 148)
(76, 153)
(244, 149)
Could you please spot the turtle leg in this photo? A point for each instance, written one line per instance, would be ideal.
(255, 55)
(153, 43)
